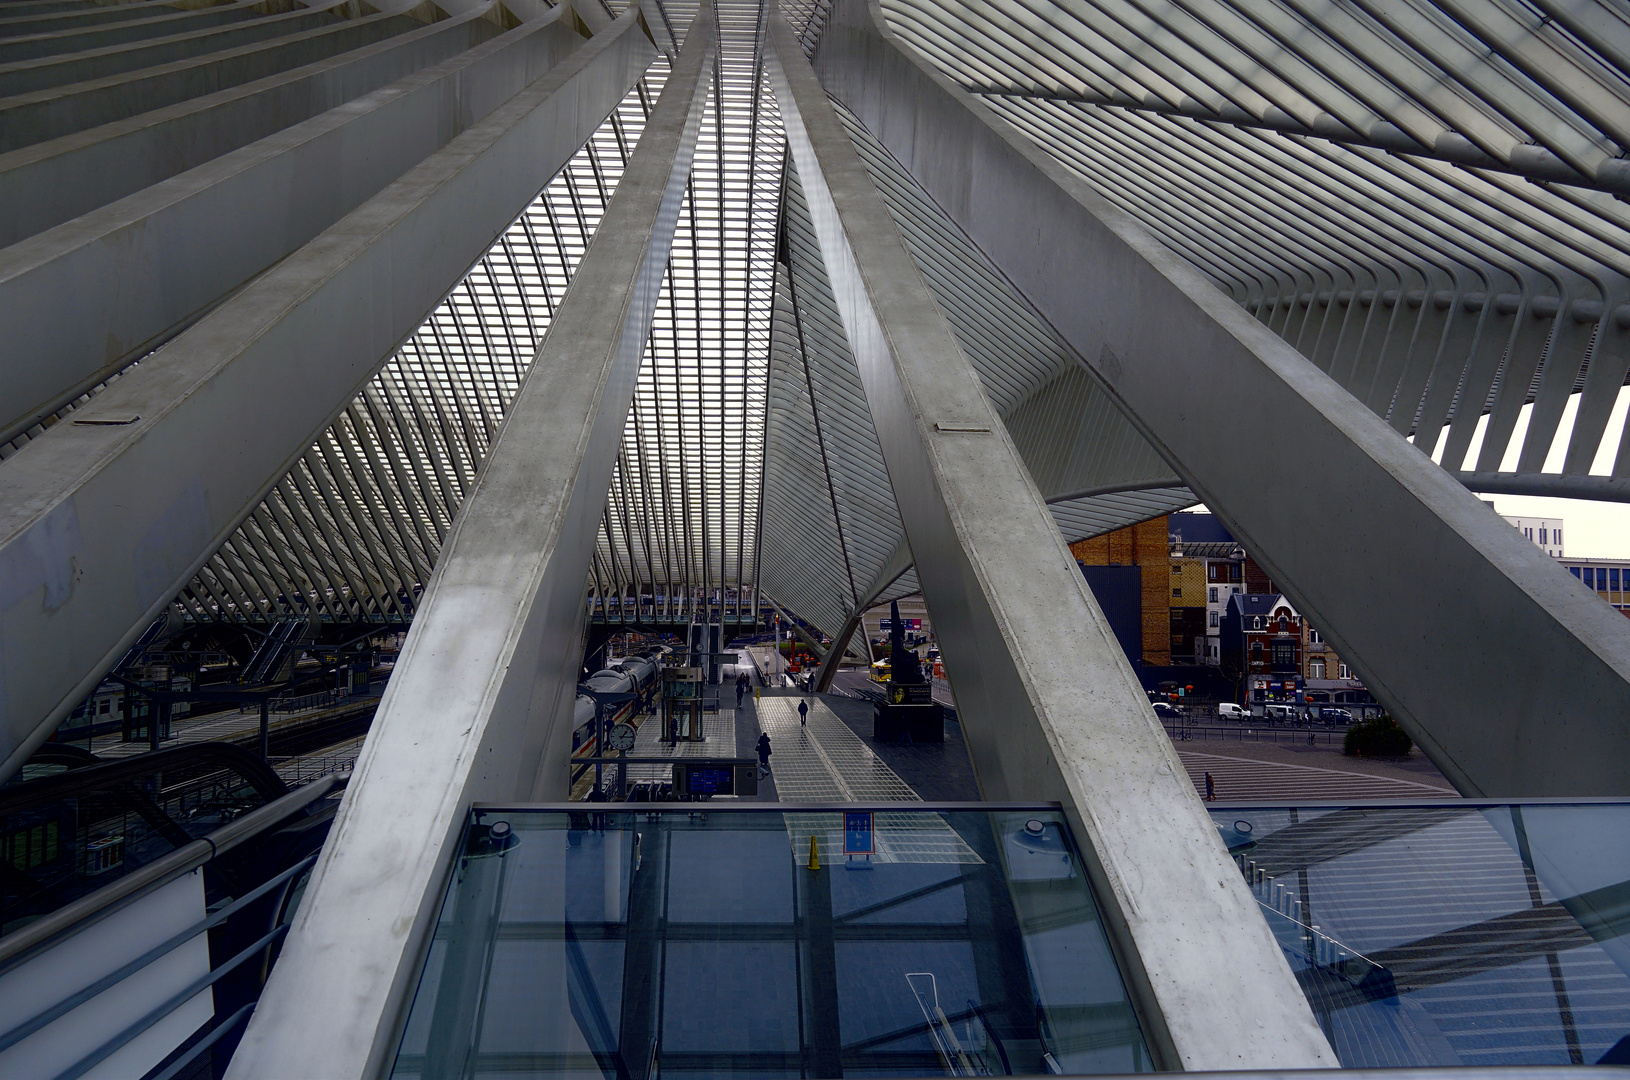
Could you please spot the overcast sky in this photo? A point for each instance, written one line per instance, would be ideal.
(1590, 530)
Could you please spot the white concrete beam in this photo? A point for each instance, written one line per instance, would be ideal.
(46, 183)
(480, 705)
(1049, 705)
(1512, 676)
(83, 299)
(105, 517)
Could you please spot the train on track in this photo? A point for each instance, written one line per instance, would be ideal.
(637, 675)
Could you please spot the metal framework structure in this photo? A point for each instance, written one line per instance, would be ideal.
(1009, 272)
(1422, 197)
(1362, 179)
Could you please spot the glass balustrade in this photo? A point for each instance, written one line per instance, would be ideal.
(1450, 934)
(675, 942)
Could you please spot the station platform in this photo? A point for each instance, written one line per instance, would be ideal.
(822, 760)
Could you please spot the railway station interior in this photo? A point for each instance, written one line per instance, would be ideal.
(632, 538)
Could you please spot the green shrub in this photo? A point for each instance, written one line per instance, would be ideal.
(1381, 737)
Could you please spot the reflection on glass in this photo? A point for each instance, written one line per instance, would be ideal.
(1451, 935)
(667, 942)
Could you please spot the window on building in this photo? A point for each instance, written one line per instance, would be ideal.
(103, 710)
(1213, 571)
(1213, 619)
(1284, 656)
(1574, 570)
(1177, 593)
(1528, 533)
(1314, 636)
(1176, 569)
(1544, 537)
(1601, 579)
(1234, 571)
(1256, 622)
(1345, 674)
(1556, 537)
(1315, 669)
(1256, 652)
(1613, 579)
(1213, 596)
(1284, 625)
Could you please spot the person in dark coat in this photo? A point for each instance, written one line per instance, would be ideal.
(741, 689)
(1211, 789)
(803, 713)
(763, 754)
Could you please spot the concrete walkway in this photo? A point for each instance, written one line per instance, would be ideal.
(718, 741)
(824, 761)
(1242, 779)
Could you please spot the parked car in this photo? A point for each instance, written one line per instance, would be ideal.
(1166, 711)
(1335, 716)
(1227, 710)
(1281, 714)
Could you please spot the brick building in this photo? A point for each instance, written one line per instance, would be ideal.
(1188, 609)
(1256, 578)
(1262, 647)
(1145, 546)
(1202, 538)
(1327, 680)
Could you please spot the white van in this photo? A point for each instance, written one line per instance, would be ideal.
(1227, 710)
(1281, 714)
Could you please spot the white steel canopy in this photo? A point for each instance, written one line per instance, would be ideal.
(1422, 198)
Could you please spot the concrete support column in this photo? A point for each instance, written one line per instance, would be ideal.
(480, 704)
(1049, 705)
(108, 515)
(1512, 676)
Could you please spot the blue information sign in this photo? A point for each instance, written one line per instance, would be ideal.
(857, 832)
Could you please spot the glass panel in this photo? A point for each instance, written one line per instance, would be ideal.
(1450, 935)
(702, 945)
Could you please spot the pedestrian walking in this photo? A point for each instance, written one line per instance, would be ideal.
(763, 755)
(741, 689)
(1211, 788)
(803, 714)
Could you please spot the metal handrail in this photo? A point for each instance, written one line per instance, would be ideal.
(165, 1008)
(66, 1005)
(199, 1048)
(90, 909)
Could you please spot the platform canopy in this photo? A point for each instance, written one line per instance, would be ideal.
(1334, 168)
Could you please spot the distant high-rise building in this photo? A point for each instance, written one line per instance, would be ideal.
(1546, 532)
